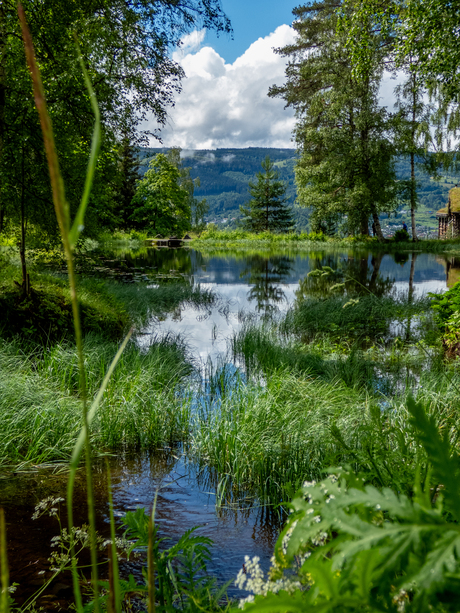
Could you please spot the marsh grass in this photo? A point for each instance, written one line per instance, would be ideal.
(263, 350)
(41, 406)
(359, 317)
(267, 438)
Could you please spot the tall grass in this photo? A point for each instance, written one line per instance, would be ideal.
(263, 350)
(267, 439)
(358, 317)
(40, 399)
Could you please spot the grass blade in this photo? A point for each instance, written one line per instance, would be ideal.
(114, 583)
(74, 462)
(78, 223)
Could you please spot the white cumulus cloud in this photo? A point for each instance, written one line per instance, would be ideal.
(226, 105)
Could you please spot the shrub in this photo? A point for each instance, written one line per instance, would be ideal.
(401, 236)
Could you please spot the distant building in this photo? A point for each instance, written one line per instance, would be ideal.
(449, 216)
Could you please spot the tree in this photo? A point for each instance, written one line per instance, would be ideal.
(422, 29)
(128, 177)
(126, 47)
(413, 131)
(346, 165)
(198, 208)
(267, 211)
(161, 203)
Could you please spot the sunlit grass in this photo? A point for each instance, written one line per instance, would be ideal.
(40, 404)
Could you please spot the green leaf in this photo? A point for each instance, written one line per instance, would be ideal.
(445, 467)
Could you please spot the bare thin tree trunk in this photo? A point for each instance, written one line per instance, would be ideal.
(413, 185)
(22, 247)
(3, 47)
(413, 202)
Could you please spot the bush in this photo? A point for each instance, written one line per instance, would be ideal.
(350, 547)
(401, 236)
(447, 317)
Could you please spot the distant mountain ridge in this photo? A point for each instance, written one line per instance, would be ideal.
(225, 173)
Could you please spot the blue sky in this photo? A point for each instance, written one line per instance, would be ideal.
(251, 19)
(224, 101)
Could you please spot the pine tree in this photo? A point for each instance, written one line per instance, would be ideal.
(267, 211)
(346, 164)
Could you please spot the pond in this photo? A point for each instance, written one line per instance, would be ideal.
(247, 284)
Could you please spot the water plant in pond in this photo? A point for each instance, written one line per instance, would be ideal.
(349, 546)
(40, 397)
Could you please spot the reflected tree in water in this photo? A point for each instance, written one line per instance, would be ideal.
(354, 275)
(265, 275)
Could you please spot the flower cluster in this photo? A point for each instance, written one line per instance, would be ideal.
(252, 579)
(47, 505)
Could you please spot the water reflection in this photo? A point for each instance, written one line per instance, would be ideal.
(351, 274)
(265, 275)
(186, 498)
(452, 271)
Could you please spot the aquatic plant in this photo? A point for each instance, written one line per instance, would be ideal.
(40, 398)
(353, 547)
(363, 316)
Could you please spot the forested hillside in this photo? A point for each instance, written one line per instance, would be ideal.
(224, 175)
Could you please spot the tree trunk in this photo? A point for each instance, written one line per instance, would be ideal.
(3, 47)
(413, 202)
(22, 247)
(364, 225)
(413, 185)
(378, 228)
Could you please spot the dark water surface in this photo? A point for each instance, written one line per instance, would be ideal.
(245, 283)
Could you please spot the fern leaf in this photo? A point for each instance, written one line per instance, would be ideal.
(444, 557)
(445, 467)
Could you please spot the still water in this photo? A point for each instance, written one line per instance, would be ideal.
(266, 285)
(245, 283)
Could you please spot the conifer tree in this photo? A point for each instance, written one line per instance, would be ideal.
(346, 164)
(267, 211)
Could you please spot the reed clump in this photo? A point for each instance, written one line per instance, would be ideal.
(41, 406)
(264, 350)
(359, 316)
(269, 438)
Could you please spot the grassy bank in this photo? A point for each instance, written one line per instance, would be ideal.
(107, 307)
(40, 402)
(306, 241)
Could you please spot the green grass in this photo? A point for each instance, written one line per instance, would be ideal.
(268, 439)
(263, 351)
(107, 307)
(231, 239)
(265, 438)
(40, 405)
(361, 317)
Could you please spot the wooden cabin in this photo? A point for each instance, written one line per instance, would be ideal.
(449, 216)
